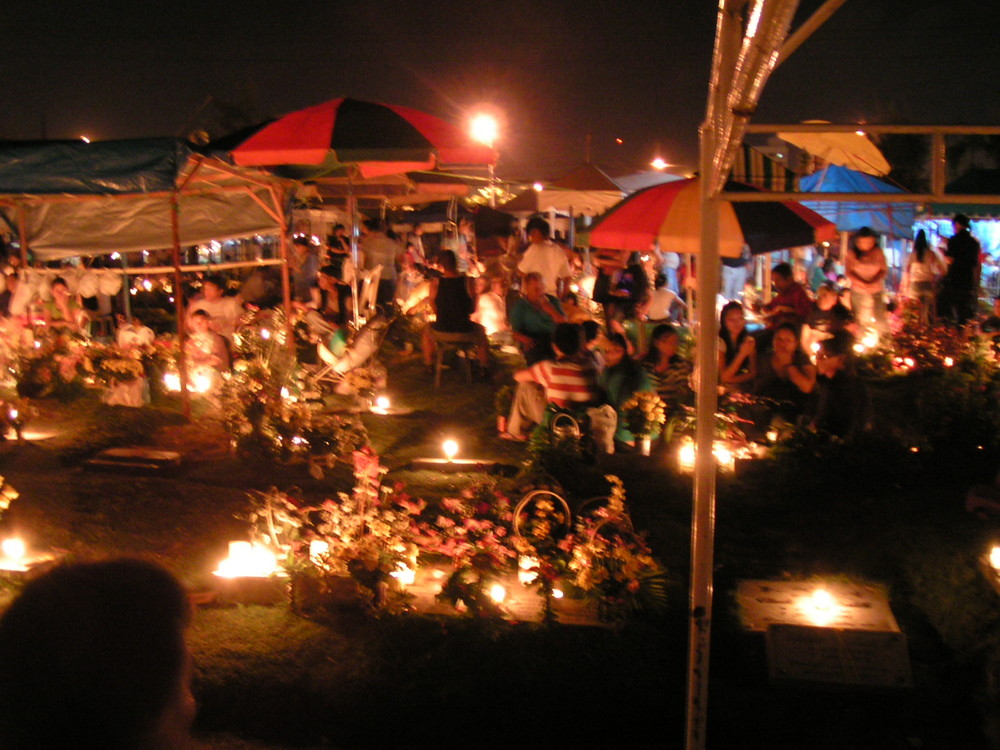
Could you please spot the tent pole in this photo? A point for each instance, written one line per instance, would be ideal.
(179, 305)
(286, 284)
(126, 286)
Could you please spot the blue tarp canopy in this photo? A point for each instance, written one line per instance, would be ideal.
(894, 219)
(70, 198)
(142, 165)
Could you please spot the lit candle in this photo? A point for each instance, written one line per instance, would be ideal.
(525, 569)
(497, 593)
(382, 403)
(557, 594)
(995, 558)
(318, 549)
(948, 361)
(14, 549)
(247, 560)
(450, 448)
(404, 574)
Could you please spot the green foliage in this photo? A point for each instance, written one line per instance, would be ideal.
(958, 410)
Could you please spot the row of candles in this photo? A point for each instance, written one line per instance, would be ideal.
(250, 560)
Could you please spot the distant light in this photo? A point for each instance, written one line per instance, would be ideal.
(115, 256)
(859, 132)
(619, 141)
(265, 334)
(995, 558)
(658, 163)
(537, 187)
(948, 361)
(382, 402)
(147, 284)
(450, 448)
(85, 139)
(781, 156)
(557, 594)
(497, 593)
(484, 128)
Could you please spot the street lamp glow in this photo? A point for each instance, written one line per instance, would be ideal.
(484, 129)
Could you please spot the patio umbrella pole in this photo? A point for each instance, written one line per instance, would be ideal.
(703, 511)
(352, 208)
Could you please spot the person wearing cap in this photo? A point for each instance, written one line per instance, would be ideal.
(960, 286)
(866, 269)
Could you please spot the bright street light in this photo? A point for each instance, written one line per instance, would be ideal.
(485, 129)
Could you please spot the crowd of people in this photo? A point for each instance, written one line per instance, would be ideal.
(596, 330)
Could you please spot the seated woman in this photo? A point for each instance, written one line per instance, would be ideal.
(326, 312)
(621, 378)
(453, 306)
(843, 406)
(64, 309)
(533, 319)
(669, 372)
(737, 350)
(785, 375)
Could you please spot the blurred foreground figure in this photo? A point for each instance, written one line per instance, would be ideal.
(93, 656)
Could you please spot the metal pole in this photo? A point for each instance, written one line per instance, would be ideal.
(703, 511)
(179, 304)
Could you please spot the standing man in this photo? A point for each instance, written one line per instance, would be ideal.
(734, 275)
(960, 286)
(380, 250)
(545, 257)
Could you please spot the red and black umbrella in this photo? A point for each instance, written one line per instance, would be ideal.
(378, 139)
(670, 214)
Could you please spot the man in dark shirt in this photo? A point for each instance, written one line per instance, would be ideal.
(960, 287)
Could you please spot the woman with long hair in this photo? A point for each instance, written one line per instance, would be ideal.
(669, 372)
(737, 349)
(923, 269)
(866, 268)
(621, 378)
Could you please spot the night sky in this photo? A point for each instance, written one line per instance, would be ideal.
(555, 71)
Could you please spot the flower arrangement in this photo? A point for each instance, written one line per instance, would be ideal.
(52, 364)
(645, 413)
(542, 526)
(262, 410)
(613, 564)
(473, 530)
(366, 535)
